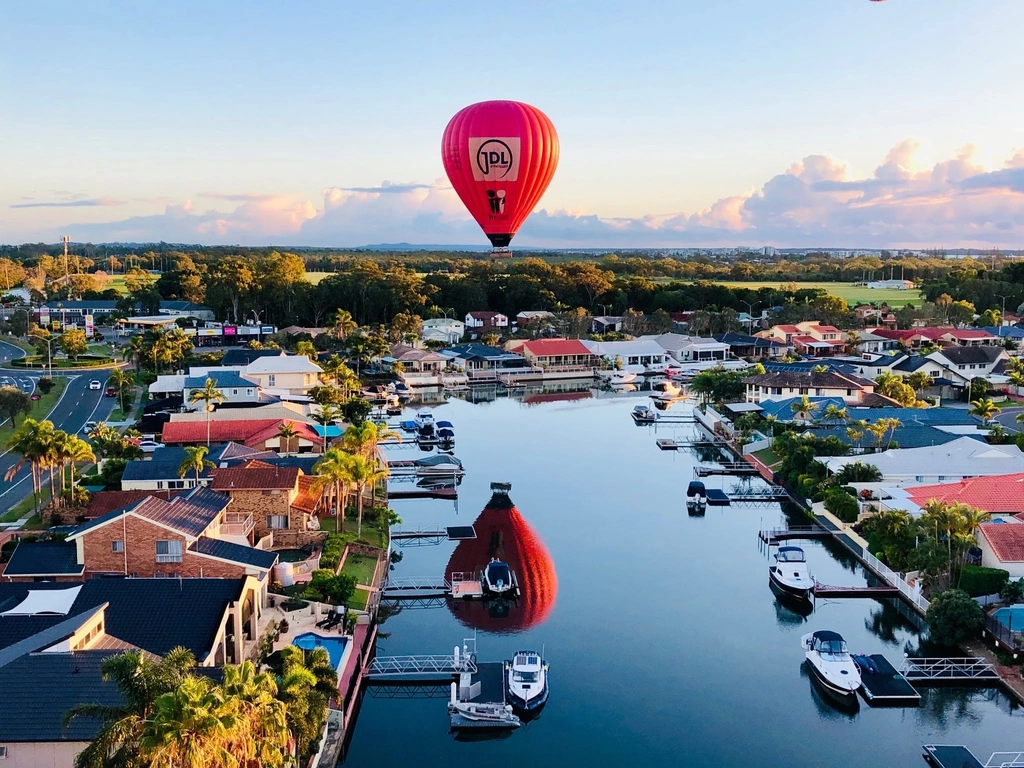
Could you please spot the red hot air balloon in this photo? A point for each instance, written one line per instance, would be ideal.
(502, 532)
(500, 156)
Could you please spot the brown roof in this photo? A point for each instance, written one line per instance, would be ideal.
(310, 494)
(1006, 540)
(107, 501)
(253, 477)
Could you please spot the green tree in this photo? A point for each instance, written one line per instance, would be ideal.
(919, 381)
(803, 409)
(74, 343)
(308, 681)
(124, 386)
(342, 323)
(190, 726)
(195, 461)
(365, 472)
(325, 417)
(208, 396)
(985, 409)
(289, 437)
(12, 402)
(954, 617)
(333, 470)
(858, 472)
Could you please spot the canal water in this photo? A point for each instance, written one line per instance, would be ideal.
(665, 642)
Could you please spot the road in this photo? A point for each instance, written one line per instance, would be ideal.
(76, 406)
(1008, 419)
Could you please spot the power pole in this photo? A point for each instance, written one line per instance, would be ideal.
(67, 274)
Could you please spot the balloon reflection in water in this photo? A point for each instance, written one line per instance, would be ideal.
(502, 532)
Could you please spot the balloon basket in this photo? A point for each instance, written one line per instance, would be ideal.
(501, 253)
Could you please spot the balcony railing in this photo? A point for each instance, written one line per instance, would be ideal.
(171, 558)
(237, 525)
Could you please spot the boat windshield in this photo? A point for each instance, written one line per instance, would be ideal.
(790, 555)
(833, 649)
(499, 572)
(524, 677)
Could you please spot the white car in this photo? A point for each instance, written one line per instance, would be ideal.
(148, 446)
(94, 384)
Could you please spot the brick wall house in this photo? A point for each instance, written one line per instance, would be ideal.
(277, 498)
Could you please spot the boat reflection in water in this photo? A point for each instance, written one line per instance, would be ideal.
(503, 533)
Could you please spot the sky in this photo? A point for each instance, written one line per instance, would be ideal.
(842, 123)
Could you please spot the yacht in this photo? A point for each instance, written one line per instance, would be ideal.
(424, 418)
(498, 578)
(830, 662)
(696, 494)
(619, 378)
(526, 681)
(790, 572)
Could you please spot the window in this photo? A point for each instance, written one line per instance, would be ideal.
(117, 545)
(176, 484)
(168, 551)
(234, 391)
(3, 753)
(849, 393)
(277, 522)
(777, 390)
(803, 390)
(271, 380)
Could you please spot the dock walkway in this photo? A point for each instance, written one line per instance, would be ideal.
(884, 685)
(959, 670)
(775, 535)
(827, 590)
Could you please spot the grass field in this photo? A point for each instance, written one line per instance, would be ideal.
(40, 408)
(360, 567)
(850, 293)
(316, 277)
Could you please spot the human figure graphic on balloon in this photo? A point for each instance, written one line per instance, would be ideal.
(496, 199)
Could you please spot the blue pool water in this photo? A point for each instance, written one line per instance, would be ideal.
(1012, 616)
(335, 645)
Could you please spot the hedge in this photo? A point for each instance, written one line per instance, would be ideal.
(84, 361)
(977, 581)
(842, 505)
(330, 556)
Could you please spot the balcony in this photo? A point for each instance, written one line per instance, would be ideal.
(237, 524)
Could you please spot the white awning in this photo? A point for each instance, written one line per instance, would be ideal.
(45, 601)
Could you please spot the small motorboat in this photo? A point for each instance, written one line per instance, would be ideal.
(408, 425)
(445, 430)
(498, 578)
(668, 388)
(696, 494)
(424, 419)
(526, 681)
(441, 464)
(399, 388)
(642, 414)
(392, 406)
(621, 378)
(831, 664)
(470, 715)
(790, 572)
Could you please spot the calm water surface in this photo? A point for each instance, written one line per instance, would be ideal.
(666, 645)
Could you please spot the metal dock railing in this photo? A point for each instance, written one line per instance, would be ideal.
(968, 669)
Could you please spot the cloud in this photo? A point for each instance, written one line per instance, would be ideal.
(818, 201)
(87, 203)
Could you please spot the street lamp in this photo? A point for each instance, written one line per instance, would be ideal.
(604, 309)
(1002, 314)
(49, 350)
(259, 323)
(750, 313)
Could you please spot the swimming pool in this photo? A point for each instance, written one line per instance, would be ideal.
(335, 645)
(1011, 617)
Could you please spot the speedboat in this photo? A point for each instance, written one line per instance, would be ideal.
(441, 464)
(484, 715)
(620, 378)
(830, 663)
(445, 430)
(642, 414)
(696, 494)
(526, 681)
(424, 419)
(498, 578)
(790, 572)
(667, 387)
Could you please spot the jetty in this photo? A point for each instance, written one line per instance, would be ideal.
(672, 444)
(460, 585)
(827, 590)
(883, 684)
(957, 756)
(949, 670)
(772, 536)
(725, 468)
(434, 535)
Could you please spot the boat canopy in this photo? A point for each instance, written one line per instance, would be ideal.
(446, 425)
(499, 572)
(440, 460)
(790, 555)
(695, 487)
(830, 643)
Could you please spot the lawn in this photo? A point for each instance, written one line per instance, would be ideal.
(358, 600)
(316, 277)
(768, 456)
(25, 507)
(360, 567)
(40, 409)
(850, 293)
(23, 345)
(372, 534)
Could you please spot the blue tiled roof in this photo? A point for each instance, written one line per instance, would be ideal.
(1005, 331)
(809, 365)
(782, 409)
(221, 379)
(236, 553)
(907, 436)
(940, 417)
(44, 558)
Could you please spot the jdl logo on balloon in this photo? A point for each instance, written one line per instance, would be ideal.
(495, 159)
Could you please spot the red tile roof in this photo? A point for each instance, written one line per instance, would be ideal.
(967, 333)
(556, 347)
(255, 478)
(250, 432)
(107, 501)
(996, 494)
(1006, 540)
(310, 494)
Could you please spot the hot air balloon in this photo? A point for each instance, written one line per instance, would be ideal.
(500, 156)
(502, 532)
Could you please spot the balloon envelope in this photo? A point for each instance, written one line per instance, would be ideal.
(502, 532)
(500, 156)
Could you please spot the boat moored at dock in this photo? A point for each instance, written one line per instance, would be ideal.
(526, 681)
(790, 573)
(696, 495)
(498, 579)
(831, 664)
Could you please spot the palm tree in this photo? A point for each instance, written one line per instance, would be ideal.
(363, 439)
(124, 386)
(342, 323)
(141, 678)
(365, 472)
(1017, 379)
(855, 436)
(308, 682)
(195, 461)
(852, 340)
(31, 442)
(287, 433)
(191, 726)
(891, 426)
(207, 395)
(261, 736)
(803, 408)
(834, 414)
(306, 348)
(132, 351)
(334, 472)
(325, 417)
(985, 409)
(76, 451)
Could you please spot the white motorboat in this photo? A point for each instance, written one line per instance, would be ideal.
(499, 578)
(441, 464)
(467, 714)
(830, 662)
(424, 419)
(526, 681)
(642, 414)
(790, 572)
(621, 378)
(696, 494)
(667, 387)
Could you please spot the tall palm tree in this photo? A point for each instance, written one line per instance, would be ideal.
(834, 414)
(363, 439)
(190, 727)
(855, 435)
(325, 417)
(1017, 379)
(342, 323)
(333, 471)
(287, 433)
(28, 442)
(141, 679)
(803, 408)
(124, 385)
(208, 395)
(365, 472)
(891, 426)
(985, 409)
(308, 682)
(76, 451)
(261, 735)
(195, 461)
(132, 351)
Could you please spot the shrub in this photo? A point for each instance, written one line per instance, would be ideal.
(45, 385)
(977, 581)
(842, 505)
(1012, 592)
(334, 546)
(954, 617)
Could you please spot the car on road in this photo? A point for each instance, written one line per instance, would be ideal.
(148, 446)
(111, 392)
(89, 427)
(95, 384)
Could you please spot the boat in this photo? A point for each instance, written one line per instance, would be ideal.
(446, 430)
(696, 495)
(498, 578)
(526, 681)
(408, 425)
(642, 414)
(399, 388)
(424, 419)
(668, 388)
(619, 378)
(392, 407)
(470, 715)
(790, 572)
(831, 664)
(442, 464)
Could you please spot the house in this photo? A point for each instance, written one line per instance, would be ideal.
(1002, 546)
(952, 462)
(474, 358)
(277, 498)
(239, 358)
(969, 362)
(638, 356)
(907, 435)
(1004, 332)
(533, 318)
(872, 343)
(295, 374)
(233, 386)
(187, 309)
(444, 330)
(875, 316)
(55, 637)
(418, 360)
(742, 345)
(160, 472)
(191, 535)
(606, 324)
(691, 349)
(479, 323)
(556, 353)
(808, 337)
(891, 285)
(999, 495)
(775, 385)
(917, 337)
(263, 434)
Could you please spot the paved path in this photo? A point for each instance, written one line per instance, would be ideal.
(1008, 419)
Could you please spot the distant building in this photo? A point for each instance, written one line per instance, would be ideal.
(892, 285)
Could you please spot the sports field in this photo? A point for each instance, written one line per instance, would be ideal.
(850, 293)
